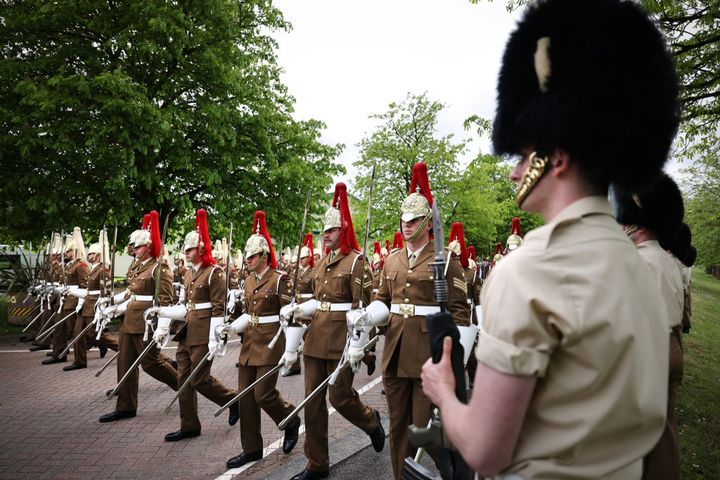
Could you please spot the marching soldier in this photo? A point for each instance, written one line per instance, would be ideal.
(650, 216)
(75, 276)
(98, 284)
(266, 291)
(337, 284)
(378, 261)
(135, 300)
(498, 255)
(202, 312)
(53, 277)
(403, 301)
(573, 356)
(515, 238)
(180, 268)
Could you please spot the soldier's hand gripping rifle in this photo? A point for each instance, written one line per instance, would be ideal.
(440, 325)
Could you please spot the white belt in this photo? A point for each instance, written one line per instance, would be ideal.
(255, 320)
(334, 307)
(57, 284)
(198, 306)
(93, 292)
(411, 310)
(141, 298)
(72, 286)
(304, 295)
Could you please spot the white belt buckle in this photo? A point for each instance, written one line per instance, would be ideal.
(254, 319)
(407, 309)
(190, 306)
(324, 306)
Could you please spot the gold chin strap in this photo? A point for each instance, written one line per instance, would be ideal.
(419, 229)
(533, 174)
(630, 229)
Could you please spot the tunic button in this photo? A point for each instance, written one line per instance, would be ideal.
(328, 269)
(325, 281)
(254, 302)
(407, 300)
(407, 284)
(405, 316)
(324, 295)
(409, 271)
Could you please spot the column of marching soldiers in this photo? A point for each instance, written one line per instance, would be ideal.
(326, 308)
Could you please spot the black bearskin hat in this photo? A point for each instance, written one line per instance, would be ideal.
(658, 207)
(689, 260)
(594, 78)
(682, 242)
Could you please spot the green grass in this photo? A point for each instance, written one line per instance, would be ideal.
(699, 395)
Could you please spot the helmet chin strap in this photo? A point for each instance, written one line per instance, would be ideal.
(419, 229)
(537, 166)
(630, 229)
(334, 243)
(257, 264)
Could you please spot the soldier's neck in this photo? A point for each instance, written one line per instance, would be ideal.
(418, 244)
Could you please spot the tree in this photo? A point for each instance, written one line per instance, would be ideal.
(481, 195)
(110, 109)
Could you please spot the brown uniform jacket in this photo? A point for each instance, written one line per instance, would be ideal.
(264, 298)
(407, 337)
(95, 281)
(179, 274)
(142, 282)
(304, 286)
(76, 273)
(335, 281)
(202, 286)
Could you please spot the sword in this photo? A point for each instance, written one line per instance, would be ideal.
(129, 371)
(112, 264)
(43, 329)
(99, 372)
(51, 329)
(185, 385)
(296, 273)
(36, 316)
(342, 366)
(367, 233)
(248, 389)
(74, 340)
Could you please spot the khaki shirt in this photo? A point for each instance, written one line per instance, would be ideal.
(205, 285)
(407, 336)
(667, 276)
(264, 298)
(335, 281)
(76, 273)
(143, 283)
(577, 307)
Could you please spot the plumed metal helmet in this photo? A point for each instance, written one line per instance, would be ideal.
(199, 238)
(498, 253)
(137, 234)
(239, 259)
(658, 207)
(150, 234)
(419, 202)
(260, 240)
(94, 248)
(331, 219)
(378, 257)
(346, 240)
(593, 78)
(456, 243)
(57, 244)
(75, 243)
(472, 252)
(515, 238)
(308, 250)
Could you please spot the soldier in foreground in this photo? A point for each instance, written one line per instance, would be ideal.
(266, 291)
(651, 215)
(336, 290)
(403, 301)
(573, 357)
(135, 300)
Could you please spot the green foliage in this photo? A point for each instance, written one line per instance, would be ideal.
(697, 407)
(111, 109)
(21, 271)
(481, 195)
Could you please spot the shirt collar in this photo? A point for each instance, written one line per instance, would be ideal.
(416, 252)
(259, 276)
(590, 205)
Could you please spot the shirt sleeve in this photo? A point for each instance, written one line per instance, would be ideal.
(521, 310)
(457, 294)
(216, 289)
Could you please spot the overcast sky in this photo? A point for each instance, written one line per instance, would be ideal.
(345, 60)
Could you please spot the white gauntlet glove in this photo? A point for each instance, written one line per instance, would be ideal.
(115, 310)
(162, 333)
(467, 340)
(293, 337)
(80, 304)
(240, 324)
(119, 297)
(360, 338)
(233, 296)
(305, 309)
(217, 332)
(78, 292)
(375, 315)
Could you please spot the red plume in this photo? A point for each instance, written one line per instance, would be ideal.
(155, 238)
(498, 248)
(420, 181)
(472, 253)
(259, 226)
(458, 233)
(308, 242)
(377, 249)
(145, 221)
(515, 226)
(387, 246)
(397, 241)
(201, 227)
(348, 240)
